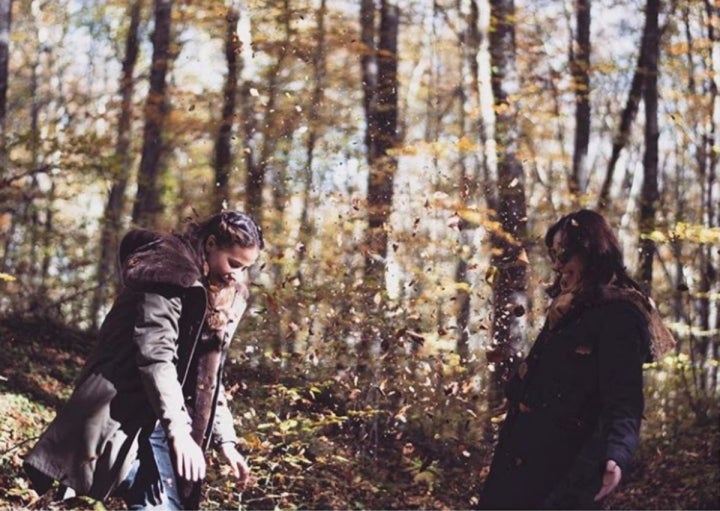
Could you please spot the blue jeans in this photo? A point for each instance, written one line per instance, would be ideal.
(151, 482)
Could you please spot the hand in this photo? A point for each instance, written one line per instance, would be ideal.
(237, 462)
(611, 478)
(189, 458)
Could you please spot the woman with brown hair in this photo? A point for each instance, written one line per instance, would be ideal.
(150, 399)
(576, 402)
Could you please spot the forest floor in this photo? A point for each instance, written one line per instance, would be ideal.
(306, 454)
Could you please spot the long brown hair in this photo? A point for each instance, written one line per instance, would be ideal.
(587, 234)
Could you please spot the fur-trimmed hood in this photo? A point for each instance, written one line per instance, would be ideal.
(661, 340)
(148, 258)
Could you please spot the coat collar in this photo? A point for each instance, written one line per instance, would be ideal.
(148, 258)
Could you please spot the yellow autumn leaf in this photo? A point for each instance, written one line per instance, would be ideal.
(7, 277)
(464, 144)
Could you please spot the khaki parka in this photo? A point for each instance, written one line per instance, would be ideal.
(135, 375)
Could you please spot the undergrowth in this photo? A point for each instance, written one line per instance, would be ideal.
(316, 440)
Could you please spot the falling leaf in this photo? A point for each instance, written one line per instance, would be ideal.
(522, 257)
(491, 274)
(454, 221)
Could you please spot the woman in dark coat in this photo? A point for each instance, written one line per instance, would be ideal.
(576, 402)
(150, 398)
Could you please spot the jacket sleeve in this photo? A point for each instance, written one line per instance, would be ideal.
(223, 424)
(155, 336)
(622, 348)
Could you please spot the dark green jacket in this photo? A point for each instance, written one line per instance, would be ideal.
(134, 377)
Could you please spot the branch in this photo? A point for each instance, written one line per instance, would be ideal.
(7, 181)
(629, 112)
(3, 453)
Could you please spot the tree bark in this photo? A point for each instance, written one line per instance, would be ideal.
(223, 151)
(707, 345)
(306, 225)
(381, 137)
(107, 274)
(257, 167)
(580, 65)
(510, 279)
(650, 194)
(5, 24)
(712, 262)
(29, 213)
(367, 65)
(469, 177)
(147, 207)
(627, 117)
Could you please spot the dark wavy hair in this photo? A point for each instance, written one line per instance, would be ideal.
(229, 228)
(587, 234)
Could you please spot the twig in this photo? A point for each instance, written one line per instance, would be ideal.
(9, 179)
(19, 445)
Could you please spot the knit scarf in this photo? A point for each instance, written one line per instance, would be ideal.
(661, 340)
(225, 307)
(562, 304)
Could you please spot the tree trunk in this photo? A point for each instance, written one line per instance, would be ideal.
(5, 24)
(469, 177)
(29, 215)
(381, 137)
(306, 226)
(627, 117)
(367, 65)
(510, 279)
(107, 275)
(253, 184)
(223, 153)
(147, 207)
(712, 257)
(580, 65)
(257, 167)
(650, 194)
(47, 242)
(706, 345)
(274, 133)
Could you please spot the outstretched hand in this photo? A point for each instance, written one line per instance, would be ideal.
(237, 462)
(611, 478)
(189, 458)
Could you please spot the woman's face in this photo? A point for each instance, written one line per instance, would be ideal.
(228, 264)
(569, 266)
